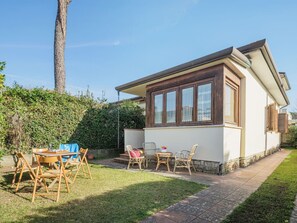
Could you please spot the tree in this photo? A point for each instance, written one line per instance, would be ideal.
(2, 76)
(59, 45)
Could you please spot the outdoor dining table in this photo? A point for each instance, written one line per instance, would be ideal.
(163, 158)
(59, 154)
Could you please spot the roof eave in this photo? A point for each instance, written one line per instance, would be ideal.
(231, 52)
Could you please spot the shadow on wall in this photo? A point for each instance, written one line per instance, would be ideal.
(99, 127)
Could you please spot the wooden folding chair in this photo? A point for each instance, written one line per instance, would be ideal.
(23, 166)
(54, 174)
(34, 159)
(79, 162)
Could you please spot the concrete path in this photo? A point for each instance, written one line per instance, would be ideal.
(222, 196)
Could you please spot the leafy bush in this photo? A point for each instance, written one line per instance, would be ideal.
(292, 136)
(38, 117)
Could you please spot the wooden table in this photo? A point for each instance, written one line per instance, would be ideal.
(163, 158)
(59, 155)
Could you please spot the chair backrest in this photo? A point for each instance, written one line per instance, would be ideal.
(35, 150)
(129, 148)
(149, 148)
(23, 162)
(192, 151)
(83, 153)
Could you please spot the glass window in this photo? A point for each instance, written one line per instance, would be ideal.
(187, 104)
(171, 107)
(204, 102)
(158, 108)
(229, 105)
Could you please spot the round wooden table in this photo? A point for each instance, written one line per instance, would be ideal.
(163, 158)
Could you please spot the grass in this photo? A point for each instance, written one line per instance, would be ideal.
(274, 199)
(112, 196)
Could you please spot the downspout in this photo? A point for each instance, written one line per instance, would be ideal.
(118, 120)
(265, 153)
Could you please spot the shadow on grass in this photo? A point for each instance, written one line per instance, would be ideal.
(129, 204)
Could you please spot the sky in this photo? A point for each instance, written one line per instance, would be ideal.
(112, 42)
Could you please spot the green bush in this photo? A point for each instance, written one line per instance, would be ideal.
(292, 136)
(39, 117)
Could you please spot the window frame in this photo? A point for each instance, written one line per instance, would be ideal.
(234, 87)
(178, 98)
(204, 82)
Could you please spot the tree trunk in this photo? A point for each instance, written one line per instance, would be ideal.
(59, 45)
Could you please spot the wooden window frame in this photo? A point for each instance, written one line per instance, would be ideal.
(204, 82)
(178, 98)
(234, 87)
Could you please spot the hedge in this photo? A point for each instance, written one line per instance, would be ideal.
(38, 117)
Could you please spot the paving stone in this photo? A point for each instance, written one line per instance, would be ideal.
(212, 217)
(200, 220)
(178, 216)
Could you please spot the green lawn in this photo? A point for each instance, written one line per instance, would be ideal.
(112, 196)
(274, 200)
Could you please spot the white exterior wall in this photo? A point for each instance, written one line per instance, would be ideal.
(134, 137)
(254, 100)
(209, 140)
(232, 141)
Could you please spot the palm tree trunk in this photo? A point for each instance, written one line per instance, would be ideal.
(59, 45)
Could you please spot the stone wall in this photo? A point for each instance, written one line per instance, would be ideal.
(246, 161)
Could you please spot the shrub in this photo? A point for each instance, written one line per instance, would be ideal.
(292, 136)
(39, 117)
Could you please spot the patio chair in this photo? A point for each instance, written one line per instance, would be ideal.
(134, 157)
(183, 159)
(23, 166)
(55, 175)
(149, 149)
(34, 159)
(81, 161)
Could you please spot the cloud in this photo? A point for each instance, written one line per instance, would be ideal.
(94, 44)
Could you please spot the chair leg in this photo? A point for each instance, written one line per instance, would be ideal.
(20, 178)
(128, 165)
(15, 173)
(59, 186)
(193, 166)
(66, 181)
(78, 168)
(35, 185)
(189, 167)
(89, 171)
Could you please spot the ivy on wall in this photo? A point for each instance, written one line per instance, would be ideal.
(39, 117)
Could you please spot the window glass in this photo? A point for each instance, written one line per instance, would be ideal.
(187, 104)
(229, 106)
(158, 108)
(204, 102)
(171, 107)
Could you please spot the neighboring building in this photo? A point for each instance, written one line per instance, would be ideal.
(227, 102)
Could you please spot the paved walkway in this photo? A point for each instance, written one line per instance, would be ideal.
(222, 196)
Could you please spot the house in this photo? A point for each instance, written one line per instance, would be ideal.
(228, 102)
